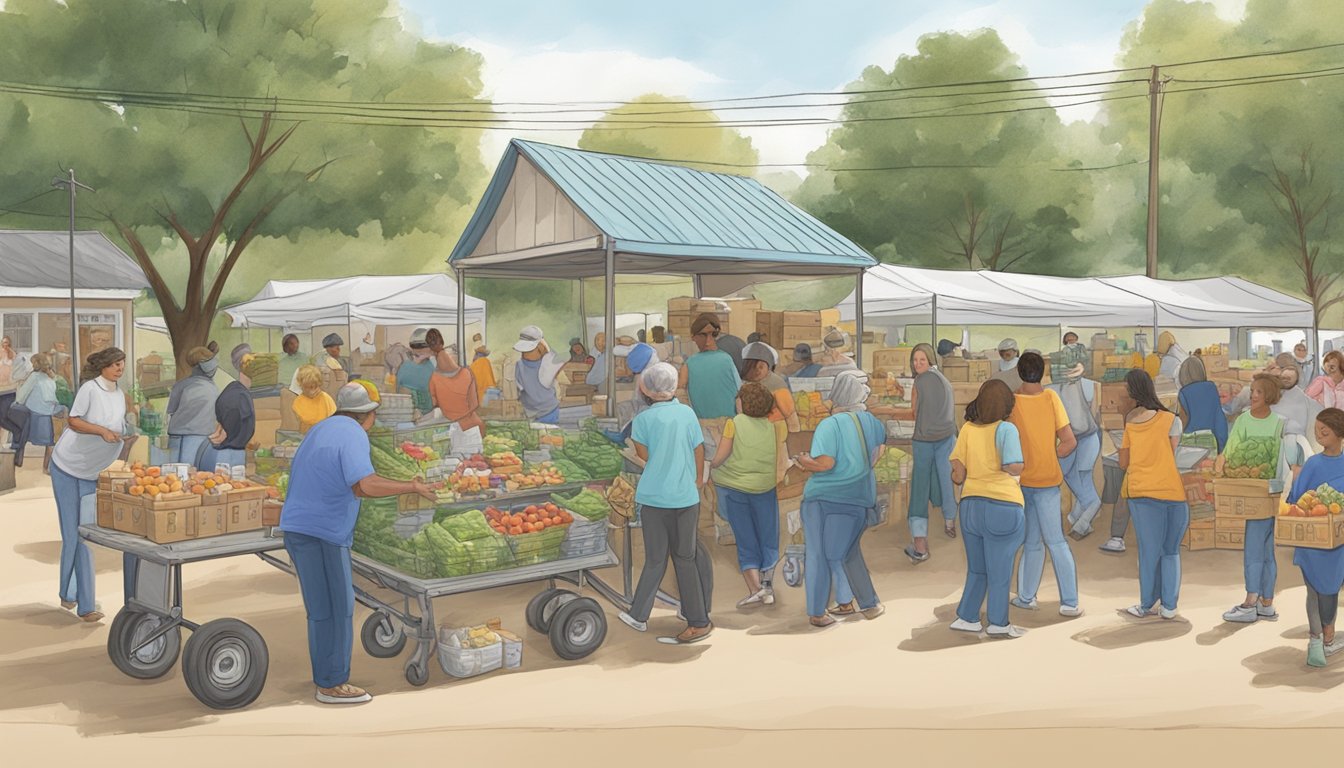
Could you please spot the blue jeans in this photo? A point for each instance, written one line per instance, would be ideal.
(184, 449)
(77, 582)
(1077, 468)
(1044, 531)
(832, 555)
(234, 457)
(992, 531)
(1159, 526)
(329, 599)
(754, 518)
(931, 483)
(1262, 571)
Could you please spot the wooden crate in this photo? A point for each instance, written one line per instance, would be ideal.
(1229, 533)
(891, 360)
(1244, 499)
(270, 512)
(966, 371)
(770, 325)
(1326, 532)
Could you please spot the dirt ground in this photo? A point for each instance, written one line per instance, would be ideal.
(1101, 688)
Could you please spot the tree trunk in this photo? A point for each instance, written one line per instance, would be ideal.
(187, 331)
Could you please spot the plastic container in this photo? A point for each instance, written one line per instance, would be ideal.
(513, 649)
(462, 662)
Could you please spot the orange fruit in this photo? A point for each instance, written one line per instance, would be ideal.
(138, 472)
(153, 491)
(209, 484)
(154, 472)
(137, 490)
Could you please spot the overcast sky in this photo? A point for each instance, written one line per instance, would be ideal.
(615, 50)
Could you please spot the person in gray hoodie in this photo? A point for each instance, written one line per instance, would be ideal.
(191, 408)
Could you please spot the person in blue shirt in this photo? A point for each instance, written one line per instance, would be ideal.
(1322, 569)
(836, 503)
(331, 471)
(1201, 407)
(668, 439)
(413, 375)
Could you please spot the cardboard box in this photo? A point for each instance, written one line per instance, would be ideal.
(1215, 363)
(1199, 536)
(270, 513)
(501, 410)
(1198, 488)
(1112, 421)
(1244, 499)
(206, 520)
(167, 525)
(891, 360)
(692, 305)
(793, 336)
(1114, 397)
(1326, 532)
(741, 316)
(1229, 533)
(105, 517)
(964, 392)
(964, 370)
(1247, 374)
(242, 515)
(128, 514)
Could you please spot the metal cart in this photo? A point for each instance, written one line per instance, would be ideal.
(225, 661)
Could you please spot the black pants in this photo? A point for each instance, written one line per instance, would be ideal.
(671, 534)
(1321, 610)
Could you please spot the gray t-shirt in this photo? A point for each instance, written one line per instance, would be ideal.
(191, 406)
(933, 407)
(537, 400)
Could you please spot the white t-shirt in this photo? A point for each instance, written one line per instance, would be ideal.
(98, 402)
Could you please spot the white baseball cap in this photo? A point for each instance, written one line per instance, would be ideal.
(528, 339)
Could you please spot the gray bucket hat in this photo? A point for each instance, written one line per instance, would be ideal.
(355, 399)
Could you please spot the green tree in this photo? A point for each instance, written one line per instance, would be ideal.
(974, 192)
(709, 148)
(189, 189)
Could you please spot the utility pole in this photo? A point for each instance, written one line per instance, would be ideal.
(71, 184)
(1155, 85)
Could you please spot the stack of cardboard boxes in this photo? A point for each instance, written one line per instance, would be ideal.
(786, 330)
(1235, 502)
(573, 387)
(165, 520)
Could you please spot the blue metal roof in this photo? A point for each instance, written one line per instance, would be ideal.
(660, 210)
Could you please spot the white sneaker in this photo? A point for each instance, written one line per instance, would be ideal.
(962, 625)
(343, 694)
(1139, 612)
(1024, 605)
(767, 595)
(1335, 646)
(632, 622)
(1267, 612)
(1167, 614)
(1070, 611)
(752, 600)
(1113, 544)
(1010, 632)
(1241, 614)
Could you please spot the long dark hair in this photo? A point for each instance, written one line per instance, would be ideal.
(1142, 391)
(99, 360)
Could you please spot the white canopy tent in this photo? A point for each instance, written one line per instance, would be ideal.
(377, 300)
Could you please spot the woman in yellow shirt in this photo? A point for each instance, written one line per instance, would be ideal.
(314, 404)
(1156, 495)
(986, 462)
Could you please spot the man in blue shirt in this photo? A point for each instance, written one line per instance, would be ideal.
(331, 471)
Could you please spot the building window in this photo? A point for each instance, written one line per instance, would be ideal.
(18, 326)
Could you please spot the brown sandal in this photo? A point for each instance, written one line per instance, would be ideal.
(821, 622)
(847, 609)
(91, 617)
(68, 605)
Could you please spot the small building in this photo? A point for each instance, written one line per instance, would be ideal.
(35, 292)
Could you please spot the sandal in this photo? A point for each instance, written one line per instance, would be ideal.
(68, 605)
(91, 617)
(846, 609)
(821, 622)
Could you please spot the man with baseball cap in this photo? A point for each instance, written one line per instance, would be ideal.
(535, 373)
(330, 472)
(710, 376)
(834, 361)
(191, 408)
(413, 375)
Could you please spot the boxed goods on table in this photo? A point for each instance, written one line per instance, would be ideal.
(174, 503)
(1253, 458)
(534, 531)
(1201, 534)
(893, 360)
(1229, 533)
(966, 370)
(1314, 520)
(470, 651)
(1244, 499)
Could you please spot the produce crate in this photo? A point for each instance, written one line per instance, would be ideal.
(1200, 535)
(1244, 499)
(104, 504)
(1321, 532)
(270, 465)
(167, 525)
(206, 520)
(242, 509)
(1229, 533)
(543, 547)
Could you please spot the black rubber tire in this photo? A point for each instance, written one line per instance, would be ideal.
(578, 628)
(225, 664)
(152, 661)
(377, 642)
(417, 674)
(536, 609)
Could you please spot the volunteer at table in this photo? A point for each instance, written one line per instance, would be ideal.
(290, 361)
(452, 389)
(1008, 355)
(1322, 569)
(932, 410)
(235, 419)
(1156, 495)
(535, 374)
(1328, 388)
(481, 369)
(758, 365)
(330, 473)
(313, 403)
(709, 376)
(331, 345)
(91, 442)
(413, 375)
(986, 462)
(191, 408)
(38, 395)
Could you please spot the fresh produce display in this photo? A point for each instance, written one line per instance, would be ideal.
(152, 482)
(1253, 458)
(587, 503)
(811, 409)
(572, 472)
(420, 452)
(505, 462)
(476, 637)
(537, 476)
(262, 368)
(280, 482)
(594, 453)
(467, 526)
(1200, 439)
(888, 468)
(533, 518)
(519, 432)
(433, 552)
(493, 444)
(1320, 502)
(394, 465)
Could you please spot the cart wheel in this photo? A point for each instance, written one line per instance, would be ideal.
(382, 638)
(578, 628)
(129, 629)
(537, 606)
(417, 674)
(225, 664)
(793, 571)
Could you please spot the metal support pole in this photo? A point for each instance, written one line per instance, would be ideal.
(70, 184)
(583, 314)
(611, 324)
(858, 320)
(933, 328)
(698, 286)
(461, 316)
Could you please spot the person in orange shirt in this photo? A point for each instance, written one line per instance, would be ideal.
(452, 388)
(481, 368)
(758, 365)
(1043, 426)
(1156, 495)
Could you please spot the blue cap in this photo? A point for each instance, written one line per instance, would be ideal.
(641, 356)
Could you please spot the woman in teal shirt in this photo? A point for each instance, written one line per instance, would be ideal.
(710, 375)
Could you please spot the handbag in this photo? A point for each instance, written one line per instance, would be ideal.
(872, 515)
